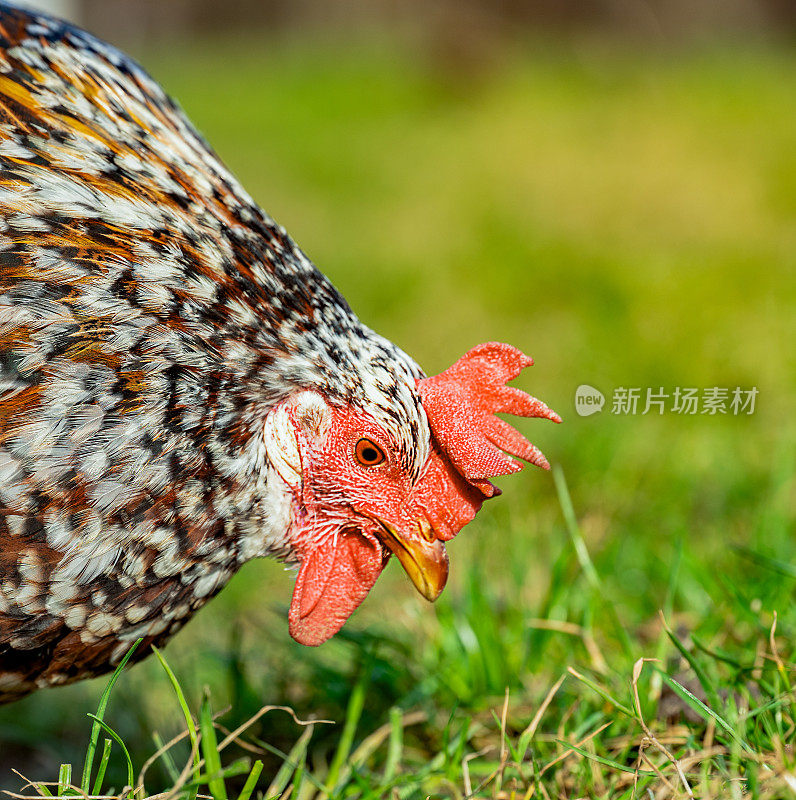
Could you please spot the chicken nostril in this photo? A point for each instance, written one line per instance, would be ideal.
(428, 533)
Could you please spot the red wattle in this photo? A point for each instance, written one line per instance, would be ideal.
(335, 577)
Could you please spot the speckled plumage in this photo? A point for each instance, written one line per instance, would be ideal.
(150, 315)
(181, 390)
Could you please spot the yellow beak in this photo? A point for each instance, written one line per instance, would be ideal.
(422, 556)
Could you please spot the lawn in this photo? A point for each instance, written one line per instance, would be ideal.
(627, 218)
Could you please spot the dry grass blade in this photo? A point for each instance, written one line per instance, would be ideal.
(375, 739)
(790, 780)
(466, 781)
(139, 786)
(558, 759)
(557, 625)
(155, 756)
(637, 668)
(242, 743)
(193, 764)
(503, 715)
(227, 740)
(530, 731)
(504, 754)
(775, 651)
(642, 756)
(572, 629)
(26, 784)
(74, 791)
(704, 754)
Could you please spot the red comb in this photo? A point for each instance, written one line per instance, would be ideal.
(460, 404)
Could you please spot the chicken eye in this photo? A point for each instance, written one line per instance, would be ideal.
(368, 453)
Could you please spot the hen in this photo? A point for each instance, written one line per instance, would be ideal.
(181, 390)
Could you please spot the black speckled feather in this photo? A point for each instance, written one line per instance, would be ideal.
(150, 316)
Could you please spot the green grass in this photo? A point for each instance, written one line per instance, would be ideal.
(627, 219)
(695, 717)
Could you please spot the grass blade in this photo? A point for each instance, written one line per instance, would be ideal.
(64, 779)
(210, 750)
(702, 677)
(604, 693)
(704, 711)
(299, 766)
(166, 758)
(355, 704)
(251, 781)
(605, 761)
(784, 568)
(239, 767)
(586, 564)
(395, 746)
(293, 762)
(106, 754)
(186, 712)
(118, 739)
(88, 765)
(571, 521)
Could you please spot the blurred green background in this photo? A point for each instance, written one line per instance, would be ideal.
(624, 210)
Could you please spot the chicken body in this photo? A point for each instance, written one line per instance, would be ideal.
(153, 320)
